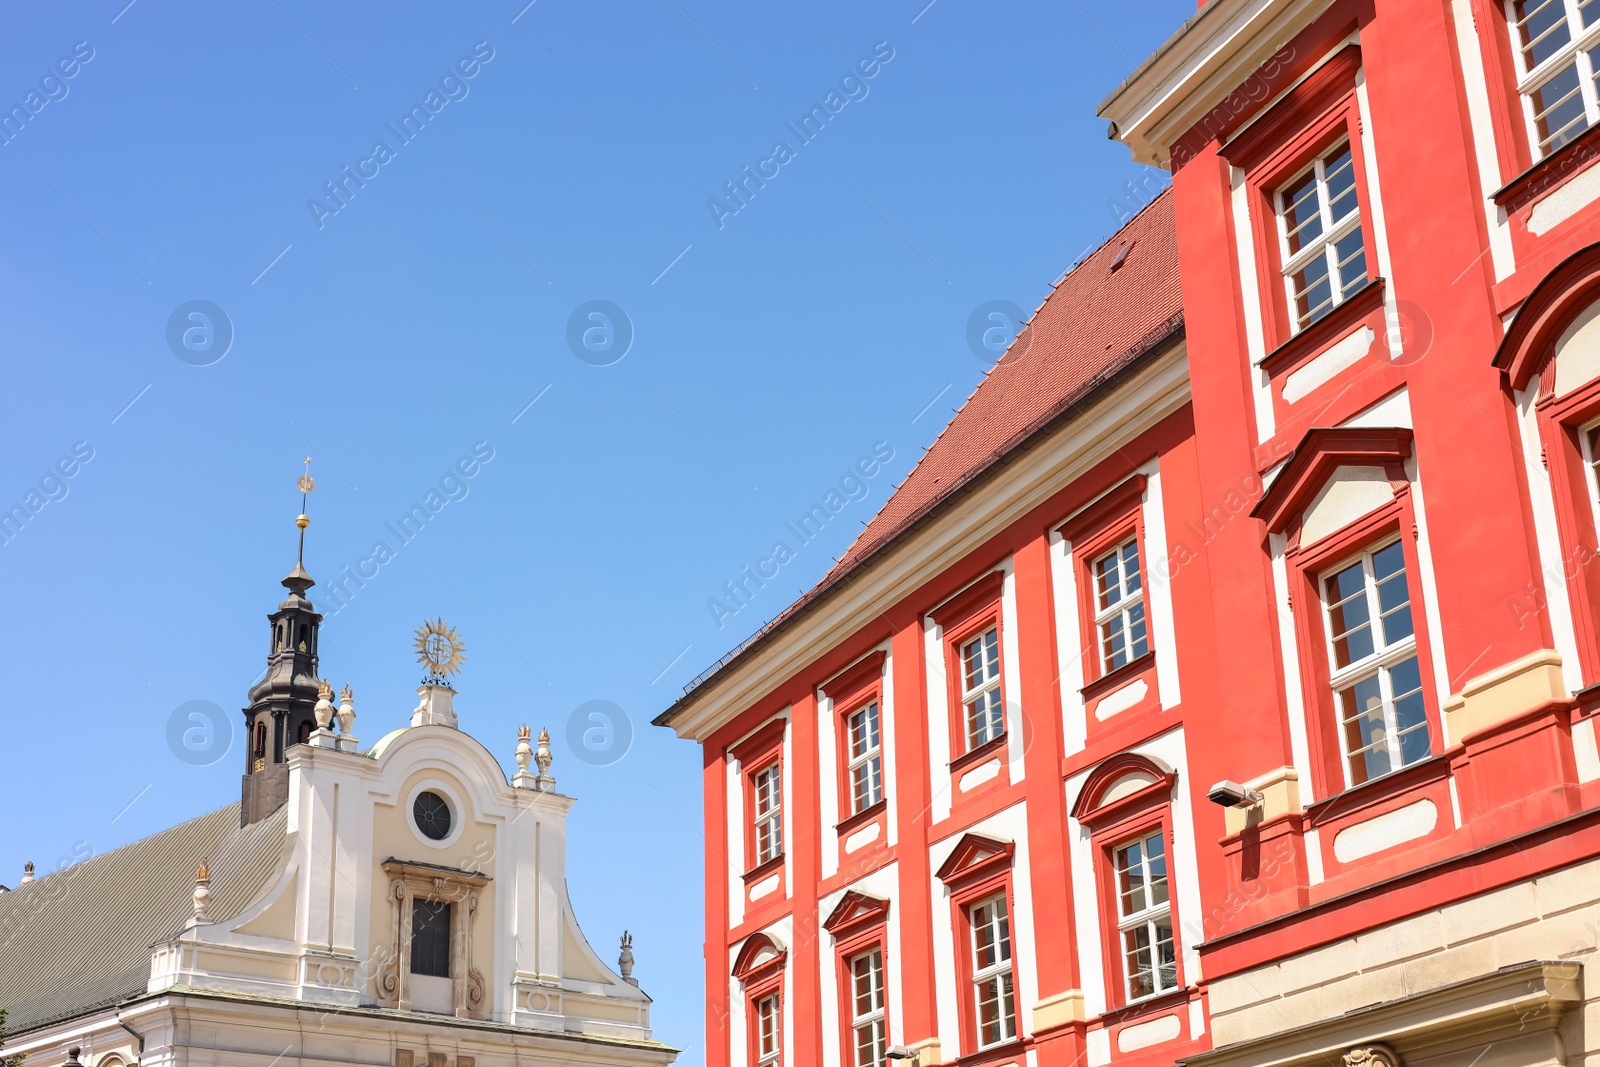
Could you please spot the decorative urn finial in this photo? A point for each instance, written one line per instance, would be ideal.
(27, 873)
(524, 750)
(324, 709)
(202, 893)
(625, 960)
(543, 758)
(524, 756)
(347, 709)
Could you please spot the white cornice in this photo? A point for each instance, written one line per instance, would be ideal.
(1195, 70)
(1150, 395)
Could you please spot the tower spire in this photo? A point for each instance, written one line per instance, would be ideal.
(283, 704)
(298, 580)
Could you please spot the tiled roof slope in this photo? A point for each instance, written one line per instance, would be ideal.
(1095, 321)
(80, 938)
(1116, 305)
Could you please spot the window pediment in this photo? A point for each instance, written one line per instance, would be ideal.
(1317, 461)
(974, 857)
(762, 957)
(1547, 317)
(1121, 781)
(854, 912)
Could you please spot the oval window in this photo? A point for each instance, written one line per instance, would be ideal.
(432, 815)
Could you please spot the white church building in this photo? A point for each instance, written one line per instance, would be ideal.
(399, 904)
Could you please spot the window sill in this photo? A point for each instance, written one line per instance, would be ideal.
(977, 755)
(861, 818)
(760, 871)
(993, 1054)
(1549, 173)
(1125, 673)
(1133, 1009)
(1338, 321)
(1376, 790)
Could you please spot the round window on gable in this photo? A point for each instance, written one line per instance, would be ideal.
(432, 815)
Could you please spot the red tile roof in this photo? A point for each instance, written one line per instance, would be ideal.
(1095, 321)
(1113, 307)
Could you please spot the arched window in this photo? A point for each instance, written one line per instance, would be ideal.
(1126, 804)
(305, 731)
(1550, 358)
(759, 969)
(261, 739)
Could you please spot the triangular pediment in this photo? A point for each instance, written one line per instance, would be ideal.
(854, 910)
(975, 855)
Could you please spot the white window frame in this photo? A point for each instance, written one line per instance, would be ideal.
(769, 1028)
(868, 760)
(1382, 658)
(875, 1019)
(1147, 917)
(971, 697)
(1325, 244)
(767, 811)
(1591, 476)
(1108, 611)
(1575, 52)
(998, 921)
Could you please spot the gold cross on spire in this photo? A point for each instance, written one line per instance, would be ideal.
(305, 484)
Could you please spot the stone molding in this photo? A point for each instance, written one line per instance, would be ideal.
(409, 882)
(1505, 692)
(1521, 1003)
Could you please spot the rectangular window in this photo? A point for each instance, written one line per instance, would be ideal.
(430, 937)
(980, 688)
(1319, 229)
(1119, 607)
(1555, 43)
(866, 757)
(991, 972)
(866, 1000)
(1144, 917)
(769, 1029)
(1372, 660)
(767, 785)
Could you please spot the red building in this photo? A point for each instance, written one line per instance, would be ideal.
(1221, 685)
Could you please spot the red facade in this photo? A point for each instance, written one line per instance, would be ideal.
(1221, 684)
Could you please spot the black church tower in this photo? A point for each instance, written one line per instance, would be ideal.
(282, 705)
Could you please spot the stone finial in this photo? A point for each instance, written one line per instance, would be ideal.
(543, 758)
(524, 756)
(625, 960)
(202, 894)
(72, 1057)
(347, 719)
(324, 709)
(27, 873)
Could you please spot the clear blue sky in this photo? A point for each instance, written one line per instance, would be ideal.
(387, 338)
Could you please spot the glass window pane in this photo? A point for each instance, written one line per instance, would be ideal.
(1166, 957)
(1130, 879)
(1138, 640)
(1365, 734)
(1351, 254)
(1137, 961)
(1542, 29)
(1107, 583)
(1313, 294)
(1340, 174)
(1130, 566)
(1302, 216)
(1558, 114)
(1156, 860)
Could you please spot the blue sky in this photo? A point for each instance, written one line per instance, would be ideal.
(747, 356)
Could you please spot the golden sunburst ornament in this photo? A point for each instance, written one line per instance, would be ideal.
(440, 649)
